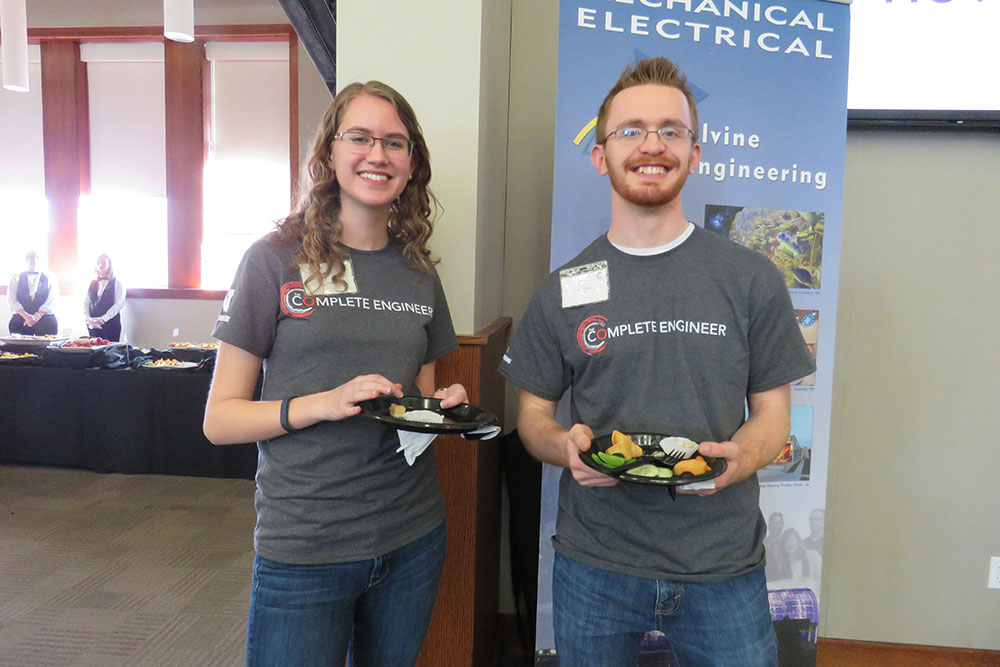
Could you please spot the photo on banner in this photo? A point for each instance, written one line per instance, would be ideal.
(770, 82)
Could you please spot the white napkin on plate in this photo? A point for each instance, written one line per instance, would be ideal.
(484, 432)
(413, 444)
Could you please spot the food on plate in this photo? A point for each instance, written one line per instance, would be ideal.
(651, 470)
(33, 337)
(186, 345)
(695, 466)
(609, 460)
(397, 410)
(87, 342)
(678, 446)
(11, 355)
(163, 362)
(623, 445)
(427, 416)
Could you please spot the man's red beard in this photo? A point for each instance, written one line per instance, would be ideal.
(649, 194)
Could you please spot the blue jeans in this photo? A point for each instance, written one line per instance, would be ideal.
(601, 616)
(305, 615)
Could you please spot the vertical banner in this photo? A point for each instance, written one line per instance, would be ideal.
(771, 85)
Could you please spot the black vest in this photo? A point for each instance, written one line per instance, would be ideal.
(41, 294)
(99, 306)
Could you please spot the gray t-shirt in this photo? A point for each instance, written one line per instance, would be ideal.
(680, 340)
(338, 491)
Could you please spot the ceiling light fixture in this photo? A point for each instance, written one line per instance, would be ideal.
(178, 20)
(14, 27)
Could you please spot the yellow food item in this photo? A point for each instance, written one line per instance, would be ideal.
(11, 355)
(396, 410)
(695, 466)
(622, 445)
(164, 362)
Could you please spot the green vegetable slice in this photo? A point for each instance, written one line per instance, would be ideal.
(651, 470)
(610, 460)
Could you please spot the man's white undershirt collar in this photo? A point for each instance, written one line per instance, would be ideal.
(658, 249)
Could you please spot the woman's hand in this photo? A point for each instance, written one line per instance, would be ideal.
(452, 395)
(342, 402)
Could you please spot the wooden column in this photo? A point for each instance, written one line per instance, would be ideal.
(66, 140)
(463, 628)
(185, 76)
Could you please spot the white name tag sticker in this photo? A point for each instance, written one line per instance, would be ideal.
(328, 286)
(581, 285)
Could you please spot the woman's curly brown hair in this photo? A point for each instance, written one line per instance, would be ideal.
(314, 225)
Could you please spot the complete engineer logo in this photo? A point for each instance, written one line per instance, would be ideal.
(592, 334)
(295, 302)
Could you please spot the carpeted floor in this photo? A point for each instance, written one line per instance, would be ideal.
(106, 570)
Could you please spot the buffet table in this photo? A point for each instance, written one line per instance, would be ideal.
(123, 420)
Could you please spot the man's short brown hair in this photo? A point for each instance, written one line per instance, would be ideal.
(660, 71)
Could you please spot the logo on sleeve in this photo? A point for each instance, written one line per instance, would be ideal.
(295, 302)
(592, 334)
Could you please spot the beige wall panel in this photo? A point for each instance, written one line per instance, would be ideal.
(431, 54)
(912, 504)
(492, 188)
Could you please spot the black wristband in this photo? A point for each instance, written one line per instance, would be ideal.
(284, 415)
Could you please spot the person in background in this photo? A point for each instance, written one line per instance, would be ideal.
(802, 563)
(705, 345)
(31, 296)
(775, 556)
(815, 540)
(104, 301)
(341, 304)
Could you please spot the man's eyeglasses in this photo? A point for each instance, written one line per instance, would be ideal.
(361, 142)
(668, 134)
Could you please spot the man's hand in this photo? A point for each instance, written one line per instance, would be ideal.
(735, 462)
(549, 442)
(578, 439)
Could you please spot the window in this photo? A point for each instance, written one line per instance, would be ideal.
(247, 176)
(24, 215)
(125, 213)
(150, 151)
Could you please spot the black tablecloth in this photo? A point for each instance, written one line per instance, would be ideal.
(130, 421)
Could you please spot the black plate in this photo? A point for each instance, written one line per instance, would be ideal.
(650, 444)
(459, 419)
(20, 361)
(195, 354)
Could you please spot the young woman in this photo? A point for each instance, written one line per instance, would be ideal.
(103, 302)
(339, 305)
(802, 563)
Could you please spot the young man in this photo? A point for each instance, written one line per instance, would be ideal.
(658, 327)
(31, 296)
